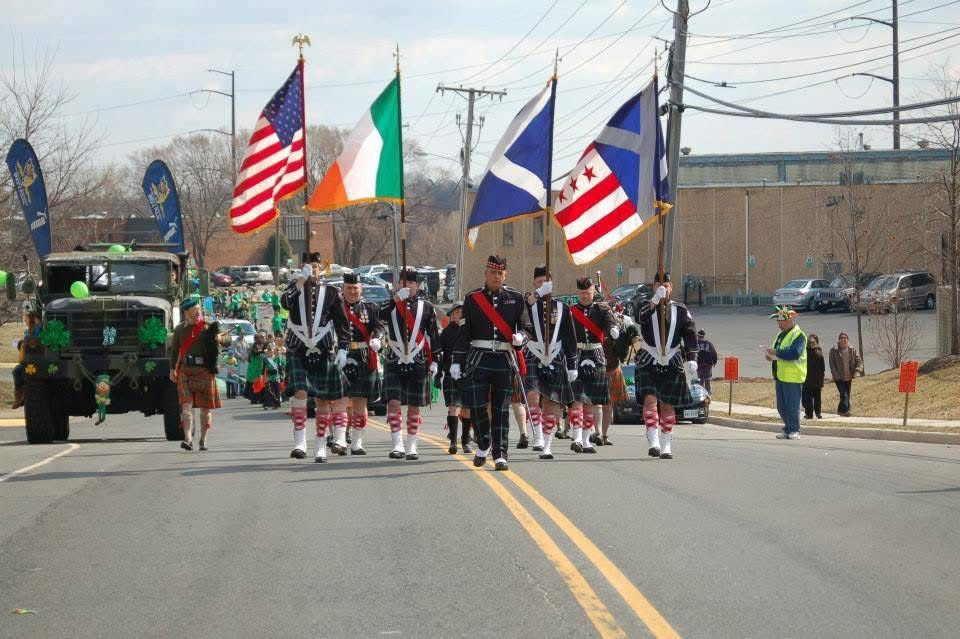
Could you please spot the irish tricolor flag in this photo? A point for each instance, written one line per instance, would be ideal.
(370, 167)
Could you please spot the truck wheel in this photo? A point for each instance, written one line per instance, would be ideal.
(36, 411)
(171, 413)
(61, 422)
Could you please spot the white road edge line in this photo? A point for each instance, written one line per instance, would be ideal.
(43, 462)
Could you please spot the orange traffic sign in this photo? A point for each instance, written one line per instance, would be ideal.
(908, 377)
(731, 369)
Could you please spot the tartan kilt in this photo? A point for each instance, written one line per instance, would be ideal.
(197, 386)
(592, 391)
(668, 384)
(325, 383)
(451, 391)
(557, 389)
(410, 385)
(366, 384)
(618, 388)
(476, 382)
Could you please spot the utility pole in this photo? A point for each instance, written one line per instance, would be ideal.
(471, 96)
(894, 25)
(233, 114)
(675, 77)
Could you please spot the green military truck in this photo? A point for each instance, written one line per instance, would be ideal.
(107, 317)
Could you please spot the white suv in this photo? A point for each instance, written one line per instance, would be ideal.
(258, 274)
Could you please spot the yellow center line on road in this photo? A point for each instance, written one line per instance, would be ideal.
(599, 615)
(12, 422)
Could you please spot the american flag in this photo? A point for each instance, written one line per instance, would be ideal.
(619, 185)
(272, 168)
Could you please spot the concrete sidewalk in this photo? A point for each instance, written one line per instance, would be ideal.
(747, 410)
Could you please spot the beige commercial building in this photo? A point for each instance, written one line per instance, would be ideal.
(752, 222)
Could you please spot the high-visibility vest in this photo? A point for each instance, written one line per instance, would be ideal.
(793, 371)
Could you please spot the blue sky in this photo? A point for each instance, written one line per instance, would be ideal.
(111, 54)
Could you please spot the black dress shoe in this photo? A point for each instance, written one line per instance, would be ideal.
(412, 457)
(666, 455)
(341, 450)
(320, 460)
(537, 449)
(589, 449)
(561, 435)
(524, 442)
(186, 445)
(594, 438)
(479, 461)
(396, 454)
(358, 451)
(296, 453)
(501, 465)
(576, 447)
(654, 452)
(452, 449)
(546, 456)
(466, 447)
(203, 446)
(606, 441)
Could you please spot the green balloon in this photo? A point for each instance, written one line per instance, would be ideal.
(79, 290)
(3, 278)
(117, 248)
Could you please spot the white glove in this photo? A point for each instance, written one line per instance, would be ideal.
(433, 369)
(404, 293)
(375, 344)
(455, 371)
(628, 321)
(341, 359)
(658, 295)
(518, 339)
(614, 333)
(305, 273)
(545, 289)
(690, 367)
(572, 375)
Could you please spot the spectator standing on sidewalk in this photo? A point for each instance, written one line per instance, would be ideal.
(788, 358)
(845, 363)
(813, 384)
(706, 359)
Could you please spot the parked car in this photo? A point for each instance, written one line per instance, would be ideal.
(371, 269)
(630, 294)
(239, 327)
(904, 290)
(841, 292)
(801, 294)
(219, 278)
(256, 274)
(376, 294)
(631, 411)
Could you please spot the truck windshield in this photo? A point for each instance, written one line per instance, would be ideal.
(110, 277)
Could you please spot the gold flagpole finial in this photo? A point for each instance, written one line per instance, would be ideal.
(556, 62)
(301, 40)
(396, 54)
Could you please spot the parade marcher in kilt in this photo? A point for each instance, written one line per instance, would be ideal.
(662, 376)
(451, 387)
(411, 361)
(316, 327)
(360, 367)
(551, 363)
(592, 323)
(495, 324)
(195, 352)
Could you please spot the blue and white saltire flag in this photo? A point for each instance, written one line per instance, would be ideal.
(620, 184)
(517, 179)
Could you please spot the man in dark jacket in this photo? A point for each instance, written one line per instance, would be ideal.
(706, 359)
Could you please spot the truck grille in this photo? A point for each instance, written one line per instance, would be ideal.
(87, 329)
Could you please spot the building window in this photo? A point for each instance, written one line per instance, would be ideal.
(538, 231)
(507, 234)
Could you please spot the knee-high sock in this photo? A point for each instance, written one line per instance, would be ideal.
(536, 425)
(323, 423)
(359, 425)
(575, 417)
(549, 426)
(465, 429)
(589, 422)
(413, 427)
(651, 419)
(667, 422)
(452, 421)
(340, 429)
(395, 421)
(298, 413)
(186, 423)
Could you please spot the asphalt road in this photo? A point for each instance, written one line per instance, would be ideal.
(741, 535)
(740, 331)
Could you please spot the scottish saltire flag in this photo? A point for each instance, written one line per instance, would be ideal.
(620, 184)
(273, 165)
(517, 179)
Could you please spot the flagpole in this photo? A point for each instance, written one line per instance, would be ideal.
(403, 207)
(548, 210)
(662, 306)
(300, 40)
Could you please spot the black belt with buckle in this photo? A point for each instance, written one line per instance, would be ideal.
(193, 360)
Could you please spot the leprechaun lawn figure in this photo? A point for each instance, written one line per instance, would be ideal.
(411, 360)
(551, 362)
(663, 364)
(496, 324)
(195, 351)
(315, 328)
(360, 367)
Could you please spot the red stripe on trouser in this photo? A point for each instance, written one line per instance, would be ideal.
(589, 419)
(340, 420)
(359, 422)
(536, 416)
(413, 424)
(576, 418)
(323, 423)
(395, 421)
(299, 416)
(667, 422)
(549, 424)
(650, 418)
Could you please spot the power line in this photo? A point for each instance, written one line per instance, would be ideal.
(844, 122)
(516, 44)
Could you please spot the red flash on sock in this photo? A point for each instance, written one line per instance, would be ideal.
(395, 421)
(323, 423)
(651, 419)
(667, 422)
(413, 424)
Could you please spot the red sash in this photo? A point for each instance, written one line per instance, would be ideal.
(404, 312)
(587, 323)
(187, 343)
(372, 356)
(501, 324)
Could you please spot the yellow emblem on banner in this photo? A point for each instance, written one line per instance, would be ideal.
(160, 190)
(28, 175)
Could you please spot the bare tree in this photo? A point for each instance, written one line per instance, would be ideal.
(895, 335)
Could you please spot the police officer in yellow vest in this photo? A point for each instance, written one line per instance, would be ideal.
(788, 356)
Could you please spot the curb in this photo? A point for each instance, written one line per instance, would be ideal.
(912, 436)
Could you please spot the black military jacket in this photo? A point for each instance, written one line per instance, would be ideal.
(568, 337)
(332, 311)
(645, 315)
(512, 307)
(428, 326)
